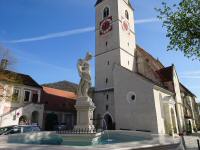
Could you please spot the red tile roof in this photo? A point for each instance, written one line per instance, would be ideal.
(58, 100)
(60, 93)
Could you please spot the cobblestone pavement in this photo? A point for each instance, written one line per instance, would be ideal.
(191, 141)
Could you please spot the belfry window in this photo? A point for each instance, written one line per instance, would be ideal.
(107, 97)
(127, 15)
(106, 107)
(106, 80)
(105, 12)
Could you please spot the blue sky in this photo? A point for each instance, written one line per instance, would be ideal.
(48, 36)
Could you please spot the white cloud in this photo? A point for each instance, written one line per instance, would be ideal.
(72, 32)
(54, 35)
(150, 20)
(190, 77)
(191, 74)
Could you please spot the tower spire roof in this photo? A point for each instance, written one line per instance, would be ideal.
(99, 1)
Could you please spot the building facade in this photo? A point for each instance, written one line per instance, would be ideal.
(133, 90)
(19, 99)
(59, 105)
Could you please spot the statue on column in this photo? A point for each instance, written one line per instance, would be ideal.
(84, 104)
(84, 72)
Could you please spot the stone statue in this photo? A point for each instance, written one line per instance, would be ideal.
(83, 67)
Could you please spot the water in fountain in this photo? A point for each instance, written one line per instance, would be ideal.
(108, 137)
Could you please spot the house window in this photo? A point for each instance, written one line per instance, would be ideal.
(27, 96)
(106, 43)
(106, 12)
(127, 15)
(15, 95)
(35, 97)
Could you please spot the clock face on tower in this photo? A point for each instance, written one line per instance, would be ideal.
(125, 25)
(106, 25)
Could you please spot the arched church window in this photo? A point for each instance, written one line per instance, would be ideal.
(105, 12)
(127, 15)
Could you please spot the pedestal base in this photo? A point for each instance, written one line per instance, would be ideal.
(85, 108)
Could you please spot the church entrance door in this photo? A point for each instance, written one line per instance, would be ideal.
(108, 121)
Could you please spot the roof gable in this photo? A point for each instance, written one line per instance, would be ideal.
(17, 78)
(166, 74)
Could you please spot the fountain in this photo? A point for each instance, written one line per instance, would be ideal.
(108, 137)
(84, 132)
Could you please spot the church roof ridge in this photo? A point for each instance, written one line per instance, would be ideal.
(149, 56)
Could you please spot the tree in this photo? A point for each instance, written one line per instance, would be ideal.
(182, 22)
(6, 54)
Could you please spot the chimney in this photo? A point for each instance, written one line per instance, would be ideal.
(4, 64)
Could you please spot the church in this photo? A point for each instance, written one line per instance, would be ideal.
(133, 90)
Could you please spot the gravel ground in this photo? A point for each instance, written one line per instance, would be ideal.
(191, 141)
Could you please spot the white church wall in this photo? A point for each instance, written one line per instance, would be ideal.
(104, 67)
(163, 107)
(159, 110)
(101, 100)
(112, 5)
(122, 6)
(127, 60)
(139, 114)
(179, 102)
(112, 37)
(191, 103)
(108, 41)
(127, 39)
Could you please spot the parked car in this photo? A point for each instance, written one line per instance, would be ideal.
(5, 129)
(19, 129)
(60, 127)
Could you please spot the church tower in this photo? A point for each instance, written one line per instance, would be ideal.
(115, 39)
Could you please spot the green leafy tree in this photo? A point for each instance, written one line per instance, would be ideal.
(182, 22)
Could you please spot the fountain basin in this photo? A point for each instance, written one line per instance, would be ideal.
(117, 140)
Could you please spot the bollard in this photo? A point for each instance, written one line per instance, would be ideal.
(198, 144)
(183, 140)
